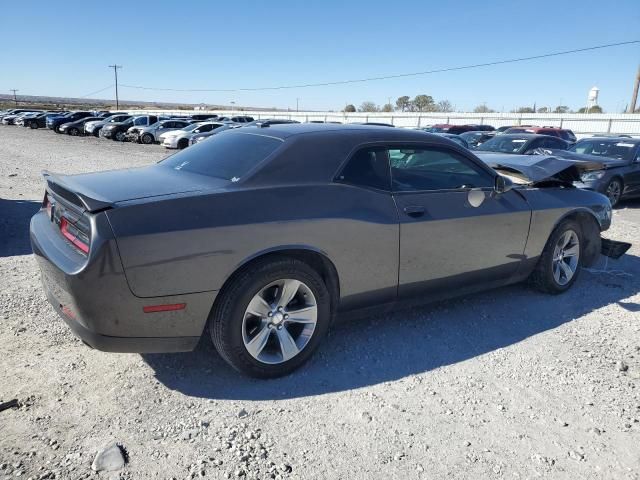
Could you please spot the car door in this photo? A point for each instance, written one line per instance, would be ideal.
(455, 230)
(632, 177)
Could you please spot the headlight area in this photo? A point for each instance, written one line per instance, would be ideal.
(592, 176)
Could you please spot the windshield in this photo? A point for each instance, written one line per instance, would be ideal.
(604, 148)
(228, 156)
(504, 145)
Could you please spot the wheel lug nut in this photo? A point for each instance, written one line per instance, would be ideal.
(270, 314)
(286, 315)
(279, 327)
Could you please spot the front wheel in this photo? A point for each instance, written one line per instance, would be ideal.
(147, 139)
(33, 125)
(559, 264)
(614, 191)
(271, 318)
(74, 132)
(120, 136)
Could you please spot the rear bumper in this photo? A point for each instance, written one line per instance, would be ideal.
(91, 294)
(107, 343)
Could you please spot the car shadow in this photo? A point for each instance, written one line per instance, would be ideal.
(14, 226)
(415, 341)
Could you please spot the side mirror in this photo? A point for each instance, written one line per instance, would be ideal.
(503, 184)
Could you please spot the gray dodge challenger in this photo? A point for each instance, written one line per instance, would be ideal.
(260, 237)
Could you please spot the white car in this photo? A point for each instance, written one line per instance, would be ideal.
(180, 138)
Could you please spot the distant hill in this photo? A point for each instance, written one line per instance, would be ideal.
(43, 101)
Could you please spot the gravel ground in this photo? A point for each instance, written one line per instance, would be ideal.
(505, 384)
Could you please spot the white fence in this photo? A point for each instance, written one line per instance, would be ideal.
(581, 124)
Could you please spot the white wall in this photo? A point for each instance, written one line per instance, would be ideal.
(621, 123)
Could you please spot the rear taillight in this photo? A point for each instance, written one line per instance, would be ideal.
(76, 233)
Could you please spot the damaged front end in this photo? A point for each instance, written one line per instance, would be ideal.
(539, 170)
(547, 171)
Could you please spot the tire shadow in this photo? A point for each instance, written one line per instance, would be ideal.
(15, 216)
(390, 347)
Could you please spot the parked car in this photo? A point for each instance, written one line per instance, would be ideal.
(151, 134)
(269, 121)
(20, 119)
(17, 111)
(54, 121)
(522, 143)
(620, 176)
(199, 137)
(118, 130)
(94, 127)
(236, 119)
(77, 128)
(476, 138)
(201, 117)
(457, 129)
(256, 237)
(454, 138)
(39, 120)
(562, 133)
(12, 118)
(180, 138)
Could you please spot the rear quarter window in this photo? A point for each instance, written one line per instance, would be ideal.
(228, 155)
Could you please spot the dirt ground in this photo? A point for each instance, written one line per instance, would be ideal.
(507, 384)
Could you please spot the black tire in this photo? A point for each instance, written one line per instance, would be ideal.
(96, 133)
(57, 129)
(74, 132)
(120, 136)
(33, 125)
(183, 143)
(147, 139)
(613, 191)
(542, 278)
(226, 319)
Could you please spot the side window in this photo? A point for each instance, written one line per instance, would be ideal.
(554, 143)
(369, 167)
(434, 169)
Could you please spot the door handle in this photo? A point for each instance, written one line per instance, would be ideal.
(414, 211)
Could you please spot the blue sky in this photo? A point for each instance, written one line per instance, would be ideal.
(224, 45)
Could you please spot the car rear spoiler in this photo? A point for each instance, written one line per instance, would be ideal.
(63, 186)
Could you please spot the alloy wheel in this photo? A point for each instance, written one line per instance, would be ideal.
(614, 190)
(279, 321)
(566, 256)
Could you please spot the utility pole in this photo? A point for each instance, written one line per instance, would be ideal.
(115, 72)
(634, 95)
(15, 98)
(297, 99)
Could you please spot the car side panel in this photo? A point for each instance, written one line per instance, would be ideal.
(194, 244)
(551, 205)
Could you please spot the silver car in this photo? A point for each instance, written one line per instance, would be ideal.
(180, 138)
(151, 134)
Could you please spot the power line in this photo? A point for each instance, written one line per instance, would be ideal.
(15, 98)
(115, 72)
(389, 77)
(97, 91)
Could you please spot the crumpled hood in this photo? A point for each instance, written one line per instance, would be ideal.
(539, 168)
(608, 162)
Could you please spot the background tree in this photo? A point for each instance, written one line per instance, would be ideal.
(525, 110)
(444, 106)
(483, 109)
(543, 110)
(594, 109)
(387, 107)
(402, 103)
(369, 107)
(424, 103)
(561, 109)
(350, 108)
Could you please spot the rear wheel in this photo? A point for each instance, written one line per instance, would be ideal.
(33, 125)
(560, 262)
(147, 139)
(271, 317)
(614, 191)
(74, 132)
(56, 129)
(120, 136)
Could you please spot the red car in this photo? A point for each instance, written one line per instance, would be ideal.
(562, 133)
(458, 129)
